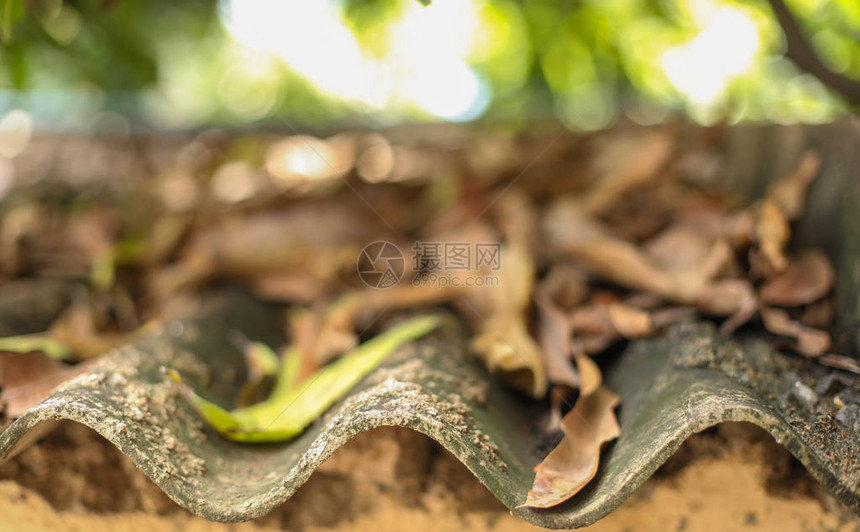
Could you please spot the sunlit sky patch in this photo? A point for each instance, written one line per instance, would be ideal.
(725, 47)
(425, 67)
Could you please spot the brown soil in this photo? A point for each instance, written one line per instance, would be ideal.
(734, 477)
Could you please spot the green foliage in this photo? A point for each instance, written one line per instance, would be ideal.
(33, 342)
(12, 12)
(176, 64)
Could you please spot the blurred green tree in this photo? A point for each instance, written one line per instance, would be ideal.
(236, 62)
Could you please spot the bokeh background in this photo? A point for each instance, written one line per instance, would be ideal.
(115, 65)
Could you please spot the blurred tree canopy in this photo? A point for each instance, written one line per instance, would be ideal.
(114, 63)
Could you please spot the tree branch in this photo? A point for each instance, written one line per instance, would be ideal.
(801, 53)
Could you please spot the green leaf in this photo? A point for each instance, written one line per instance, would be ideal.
(103, 272)
(34, 342)
(292, 407)
(12, 12)
(263, 358)
(288, 372)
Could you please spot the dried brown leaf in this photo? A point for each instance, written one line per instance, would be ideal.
(554, 332)
(503, 340)
(678, 248)
(590, 377)
(288, 287)
(26, 379)
(662, 318)
(772, 234)
(565, 285)
(747, 308)
(789, 191)
(591, 344)
(506, 346)
(784, 202)
(639, 166)
(808, 341)
(562, 288)
(617, 261)
(808, 277)
(630, 322)
(840, 362)
(573, 463)
(687, 252)
(725, 297)
(592, 319)
(570, 231)
(597, 325)
(820, 314)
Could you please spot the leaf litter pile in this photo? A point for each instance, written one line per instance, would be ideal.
(600, 240)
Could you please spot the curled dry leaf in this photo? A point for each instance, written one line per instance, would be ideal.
(590, 377)
(734, 298)
(563, 287)
(683, 250)
(630, 322)
(26, 379)
(772, 233)
(810, 342)
(639, 165)
(592, 328)
(664, 317)
(789, 191)
(554, 333)
(598, 325)
(288, 287)
(678, 248)
(808, 277)
(573, 463)
(819, 314)
(571, 231)
(784, 202)
(503, 340)
(726, 296)
(738, 228)
(303, 329)
(840, 362)
(747, 308)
